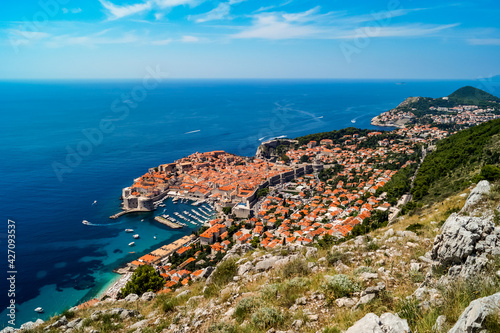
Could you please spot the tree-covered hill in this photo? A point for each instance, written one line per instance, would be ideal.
(457, 161)
(471, 95)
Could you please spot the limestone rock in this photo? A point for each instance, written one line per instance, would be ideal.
(439, 325)
(266, 264)
(345, 301)
(387, 323)
(466, 242)
(139, 324)
(131, 298)
(473, 316)
(482, 188)
(148, 296)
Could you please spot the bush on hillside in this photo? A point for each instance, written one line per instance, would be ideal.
(144, 279)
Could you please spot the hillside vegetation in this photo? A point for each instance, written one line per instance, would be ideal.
(457, 161)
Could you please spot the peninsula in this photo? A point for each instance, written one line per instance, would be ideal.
(468, 106)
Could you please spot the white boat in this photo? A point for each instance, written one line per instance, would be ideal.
(353, 121)
(39, 310)
(155, 237)
(136, 236)
(95, 202)
(131, 244)
(129, 230)
(85, 222)
(142, 220)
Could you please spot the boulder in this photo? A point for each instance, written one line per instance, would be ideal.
(245, 268)
(471, 319)
(147, 296)
(345, 301)
(466, 242)
(386, 323)
(131, 298)
(139, 324)
(266, 264)
(482, 188)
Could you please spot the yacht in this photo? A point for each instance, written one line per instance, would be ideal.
(131, 244)
(85, 222)
(39, 310)
(136, 236)
(129, 230)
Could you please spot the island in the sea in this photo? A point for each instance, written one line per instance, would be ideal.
(468, 106)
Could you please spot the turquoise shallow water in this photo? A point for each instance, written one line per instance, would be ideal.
(61, 262)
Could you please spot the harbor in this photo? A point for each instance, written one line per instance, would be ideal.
(168, 223)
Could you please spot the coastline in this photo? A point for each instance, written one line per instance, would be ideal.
(375, 122)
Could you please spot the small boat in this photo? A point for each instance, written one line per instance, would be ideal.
(39, 310)
(131, 244)
(85, 222)
(132, 252)
(142, 220)
(154, 237)
(353, 121)
(136, 236)
(95, 202)
(129, 230)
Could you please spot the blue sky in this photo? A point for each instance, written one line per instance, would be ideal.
(250, 39)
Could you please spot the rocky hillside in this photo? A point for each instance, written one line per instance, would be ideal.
(435, 272)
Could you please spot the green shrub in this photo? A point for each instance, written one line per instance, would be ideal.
(338, 286)
(270, 291)
(410, 310)
(68, 314)
(363, 269)
(224, 272)
(414, 227)
(168, 304)
(245, 307)
(490, 172)
(333, 256)
(144, 279)
(331, 330)
(416, 276)
(265, 318)
(296, 267)
(222, 328)
(492, 322)
(372, 246)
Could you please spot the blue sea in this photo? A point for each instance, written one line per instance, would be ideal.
(66, 144)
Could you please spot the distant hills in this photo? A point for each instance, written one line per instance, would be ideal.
(471, 95)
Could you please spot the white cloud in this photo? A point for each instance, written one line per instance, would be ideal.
(117, 12)
(34, 35)
(484, 41)
(220, 12)
(398, 31)
(175, 3)
(189, 39)
(265, 9)
(281, 26)
(162, 42)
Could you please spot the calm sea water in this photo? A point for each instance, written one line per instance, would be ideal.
(61, 262)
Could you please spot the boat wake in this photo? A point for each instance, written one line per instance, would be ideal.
(85, 222)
